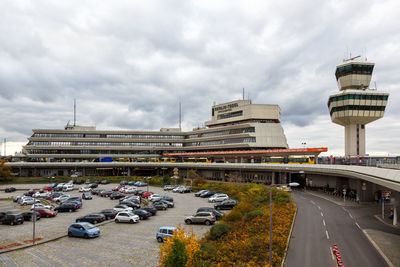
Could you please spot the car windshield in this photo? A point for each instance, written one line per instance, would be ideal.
(88, 226)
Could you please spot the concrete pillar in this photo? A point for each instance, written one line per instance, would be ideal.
(273, 178)
(354, 139)
(129, 171)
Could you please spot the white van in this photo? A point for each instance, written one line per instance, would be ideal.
(68, 187)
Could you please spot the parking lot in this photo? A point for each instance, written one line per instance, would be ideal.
(118, 245)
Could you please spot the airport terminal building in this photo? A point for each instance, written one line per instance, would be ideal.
(236, 125)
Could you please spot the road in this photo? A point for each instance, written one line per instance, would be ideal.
(319, 225)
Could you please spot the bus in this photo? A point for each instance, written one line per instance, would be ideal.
(196, 160)
(167, 160)
(123, 160)
(288, 160)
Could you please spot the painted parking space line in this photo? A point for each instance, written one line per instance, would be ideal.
(327, 234)
(358, 226)
(323, 221)
(322, 214)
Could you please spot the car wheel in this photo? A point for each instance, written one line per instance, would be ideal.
(116, 220)
(94, 222)
(70, 210)
(11, 223)
(207, 222)
(165, 208)
(47, 216)
(131, 221)
(188, 221)
(69, 234)
(159, 239)
(86, 236)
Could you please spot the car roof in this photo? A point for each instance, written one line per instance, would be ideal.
(169, 227)
(81, 223)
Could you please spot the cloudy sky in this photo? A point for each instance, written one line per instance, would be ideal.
(129, 64)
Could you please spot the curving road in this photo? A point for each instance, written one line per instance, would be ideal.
(319, 225)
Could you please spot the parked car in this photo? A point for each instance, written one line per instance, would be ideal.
(105, 193)
(160, 205)
(122, 207)
(185, 190)
(92, 218)
(226, 205)
(66, 207)
(88, 181)
(168, 187)
(105, 182)
(12, 219)
(76, 202)
(135, 199)
(154, 197)
(143, 215)
(147, 194)
(28, 215)
(168, 203)
(130, 190)
(62, 198)
(40, 205)
(16, 198)
(53, 185)
(126, 217)
(43, 194)
(48, 188)
(117, 188)
(109, 213)
(55, 195)
(85, 189)
(93, 185)
(46, 212)
(140, 183)
(131, 183)
(167, 198)
(96, 191)
(68, 187)
(197, 194)
(165, 232)
(87, 196)
(130, 204)
(28, 201)
(218, 198)
(202, 217)
(83, 229)
(218, 215)
(29, 193)
(176, 189)
(78, 181)
(207, 194)
(150, 209)
(123, 182)
(10, 189)
(116, 195)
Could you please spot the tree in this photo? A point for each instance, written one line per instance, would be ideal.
(177, 256)
(5, 172)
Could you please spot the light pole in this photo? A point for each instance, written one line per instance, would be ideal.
(34, 220)
(270, 225)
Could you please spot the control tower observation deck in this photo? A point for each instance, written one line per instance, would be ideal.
(355, 104)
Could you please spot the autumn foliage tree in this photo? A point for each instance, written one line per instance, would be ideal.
(5, 172)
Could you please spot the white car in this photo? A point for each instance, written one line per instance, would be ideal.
(68, 187)
(42, 194)
(124, 208)
(178, 189)
(40, 205)
(60, 186)
(218, 198)
(85, 189)
(59, 198)
(154, 197)
(130, 190)
(126, 217)
(122, 189)
(28, 201)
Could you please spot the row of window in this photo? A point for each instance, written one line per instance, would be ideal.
(66, 143)
(223, 142)
(354, 69)
(230, 115)
(350, 107)
(358, 97)
(93, 152)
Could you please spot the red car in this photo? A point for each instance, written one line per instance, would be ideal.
(46, 212)
(116, 188)
(47, 188)
(146, 194)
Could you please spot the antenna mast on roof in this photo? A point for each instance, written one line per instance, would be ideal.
(74, 111)
(243, 93)
(180, 116)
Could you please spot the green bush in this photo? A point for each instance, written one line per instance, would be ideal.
(218, 231)
(177, 256)
(253, 214)
(234, 215)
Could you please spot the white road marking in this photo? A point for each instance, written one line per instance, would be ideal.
(358, 226)
(327, 235)
(312, 202)
(323, 221)
(303, 197)
(350, 215)
(322, 214)
(333, 256)
(344, 209)
(319, 207)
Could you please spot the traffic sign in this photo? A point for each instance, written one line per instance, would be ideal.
(344, 191)
(364, 186)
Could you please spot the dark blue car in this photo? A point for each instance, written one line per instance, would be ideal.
(83, 229)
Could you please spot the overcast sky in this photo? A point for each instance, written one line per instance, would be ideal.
(130, 63)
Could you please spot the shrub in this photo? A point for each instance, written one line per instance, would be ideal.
(177, 256)
(253, 214)
(218, 231)
(234, 215)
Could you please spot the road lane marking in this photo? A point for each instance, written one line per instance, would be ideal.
(327, 235)
(358, 226)
(312, 202)
(323, 221)
(319, 207)
(350, 215)
(333, 257)
(322, 214)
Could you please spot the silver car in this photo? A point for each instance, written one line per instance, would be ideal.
(207, 218)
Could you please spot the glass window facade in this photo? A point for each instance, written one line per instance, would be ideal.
(351, 107)
(357, 97)
(354, 69)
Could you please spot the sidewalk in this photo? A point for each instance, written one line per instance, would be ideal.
(386, 239)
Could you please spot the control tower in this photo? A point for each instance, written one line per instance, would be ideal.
(355, 104)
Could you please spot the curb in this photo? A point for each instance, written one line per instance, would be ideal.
(339, 203)
(378, 249)
(289, 237)
(46, 240)
(379, 217)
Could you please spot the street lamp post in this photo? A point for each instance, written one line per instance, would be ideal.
(34, 220)
(270, 225)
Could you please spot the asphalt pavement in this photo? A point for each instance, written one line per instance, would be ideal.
(319, 225)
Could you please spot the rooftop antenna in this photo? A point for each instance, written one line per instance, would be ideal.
(5, 147)
(243, 93)
(352, 58)
(74, 111)
(180, 116)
